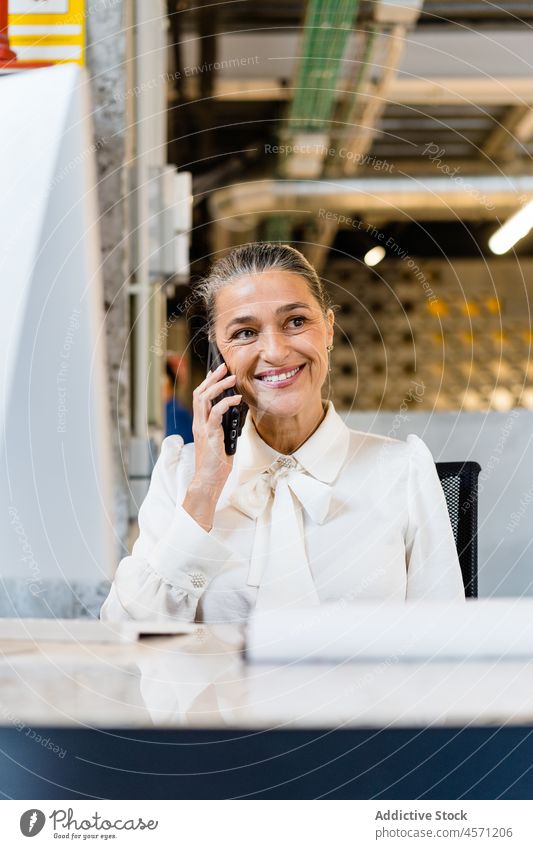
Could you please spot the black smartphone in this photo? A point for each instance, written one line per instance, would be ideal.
(234, 418)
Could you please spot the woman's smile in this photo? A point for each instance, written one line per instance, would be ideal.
(278, 378)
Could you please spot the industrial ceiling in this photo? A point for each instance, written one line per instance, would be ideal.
(265, 98)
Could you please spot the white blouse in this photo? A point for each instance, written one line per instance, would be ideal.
(348, 516)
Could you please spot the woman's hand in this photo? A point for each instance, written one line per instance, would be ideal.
(213, 465)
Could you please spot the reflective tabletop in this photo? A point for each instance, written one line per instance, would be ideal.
(202, 680)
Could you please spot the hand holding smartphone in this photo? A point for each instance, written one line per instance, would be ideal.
(233, 419)
(217, 422)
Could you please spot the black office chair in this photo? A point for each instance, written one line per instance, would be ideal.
(459, 482)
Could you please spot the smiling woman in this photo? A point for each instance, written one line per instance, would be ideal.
(278, 352)
(307, 510)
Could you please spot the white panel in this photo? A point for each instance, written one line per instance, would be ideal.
(183, 201)
(55, 489)
(502, 443)
(38, 7)
(63, 51)
(48, 29)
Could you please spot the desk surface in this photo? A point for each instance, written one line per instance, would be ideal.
(202, 681)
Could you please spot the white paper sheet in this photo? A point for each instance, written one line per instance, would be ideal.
(89, 630)
(487, 628)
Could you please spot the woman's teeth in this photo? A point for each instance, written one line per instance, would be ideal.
(277, 378)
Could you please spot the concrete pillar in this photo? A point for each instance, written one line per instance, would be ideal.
(106, 61)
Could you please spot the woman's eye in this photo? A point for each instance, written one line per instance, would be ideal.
(243, 334)
(239, 332)
(298, 318)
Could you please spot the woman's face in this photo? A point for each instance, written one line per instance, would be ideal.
(273, 336)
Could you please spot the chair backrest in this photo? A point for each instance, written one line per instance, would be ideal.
(459, 482)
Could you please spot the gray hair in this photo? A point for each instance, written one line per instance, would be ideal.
(255, 258)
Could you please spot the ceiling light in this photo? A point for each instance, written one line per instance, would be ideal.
(514, 229)
(375, 255)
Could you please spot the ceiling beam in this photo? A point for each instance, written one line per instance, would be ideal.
(439, 90)
(392, 198)
(516, 128)
(374, 107)
(371, 111)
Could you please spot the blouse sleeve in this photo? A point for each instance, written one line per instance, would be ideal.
(433, 569)
(173, 559)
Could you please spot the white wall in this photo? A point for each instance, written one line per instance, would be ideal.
(502, 443)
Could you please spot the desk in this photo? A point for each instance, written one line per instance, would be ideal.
(186, 717)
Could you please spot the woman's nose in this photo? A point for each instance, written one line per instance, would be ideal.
(274, 348)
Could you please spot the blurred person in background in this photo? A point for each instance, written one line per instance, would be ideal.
(178, 419)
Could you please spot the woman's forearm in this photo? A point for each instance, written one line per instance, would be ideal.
(200, 503)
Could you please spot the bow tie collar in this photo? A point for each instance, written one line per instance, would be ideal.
(252, 497)
(276, 491)
(279, 566)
